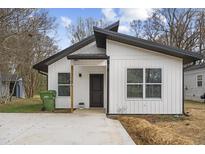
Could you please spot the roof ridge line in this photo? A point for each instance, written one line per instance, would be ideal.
(144, 41)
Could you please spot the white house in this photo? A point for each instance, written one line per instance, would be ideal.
(118, 72)
(194, 82)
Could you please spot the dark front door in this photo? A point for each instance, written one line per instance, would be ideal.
(96, 90)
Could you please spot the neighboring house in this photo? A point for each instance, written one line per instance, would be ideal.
(7, 83)
(194, 82)
(118, 72)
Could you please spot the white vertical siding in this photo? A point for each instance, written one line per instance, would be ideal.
(4, 89)
(60, 66)
(191, 91)
(123, 56)
(89, 49)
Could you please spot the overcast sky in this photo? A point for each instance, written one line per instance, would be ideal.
(67, 16)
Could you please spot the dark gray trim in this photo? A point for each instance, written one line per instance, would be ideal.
(132, 114)
(108, 84)
(102, 34)
(113, 27)
(9, 77)
(43, 73)
(88, 56)
(195, 67)
(43, 65)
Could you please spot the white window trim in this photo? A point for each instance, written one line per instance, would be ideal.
(62, 84)
(199, 80)
(144, 85)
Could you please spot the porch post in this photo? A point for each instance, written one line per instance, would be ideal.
(71, 88)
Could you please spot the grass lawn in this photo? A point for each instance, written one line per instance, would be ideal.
(22, 105)
(191, 127)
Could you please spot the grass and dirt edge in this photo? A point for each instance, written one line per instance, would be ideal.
(144, 132)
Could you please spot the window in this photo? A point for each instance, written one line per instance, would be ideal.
(199, 80)
(150, 80)
(135, 83)
(153, 82)
(63, 84)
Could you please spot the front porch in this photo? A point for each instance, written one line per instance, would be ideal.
(89, 88)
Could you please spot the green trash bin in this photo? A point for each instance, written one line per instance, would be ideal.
(48, 99)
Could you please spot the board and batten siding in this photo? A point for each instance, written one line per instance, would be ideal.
(60, 66)
(191, 90)
(124, 56)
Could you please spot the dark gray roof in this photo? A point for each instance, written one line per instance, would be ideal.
(8, 77)
(110, 32)
(43, 65)
(195, 67)
(102, 34)
(88, 56)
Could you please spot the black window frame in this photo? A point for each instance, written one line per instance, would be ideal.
(135, 84)
(64, 84)
(145, 84)
(149, 84)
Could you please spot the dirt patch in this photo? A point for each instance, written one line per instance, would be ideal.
(143, 132)
(193, 126)
(164, 129)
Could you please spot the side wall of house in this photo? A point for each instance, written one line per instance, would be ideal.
(124, 56)
(20, 91)
(4, 90)
(191, 90)
(60, 66)
(2, 87)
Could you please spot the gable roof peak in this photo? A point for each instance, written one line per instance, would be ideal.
(43, 65)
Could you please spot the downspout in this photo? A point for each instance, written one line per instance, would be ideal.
(183, 106)
(183, 110)
(43, 73)
(71, 88)
(108, 83)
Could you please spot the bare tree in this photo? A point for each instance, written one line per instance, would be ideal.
(83, 28)
(25, 41)
(180, 28)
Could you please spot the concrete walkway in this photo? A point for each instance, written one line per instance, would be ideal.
(61, 128)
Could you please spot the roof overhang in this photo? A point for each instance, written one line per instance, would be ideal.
(87, 56)
(195, 67)
(101, 35)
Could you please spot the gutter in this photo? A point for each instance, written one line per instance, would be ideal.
(43, 73)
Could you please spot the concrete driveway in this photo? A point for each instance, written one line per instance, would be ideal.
(61, 128)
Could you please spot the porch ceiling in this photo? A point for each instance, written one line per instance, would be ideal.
(90, 62)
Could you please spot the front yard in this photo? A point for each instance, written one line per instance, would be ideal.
(164, 129)
(22, 105)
